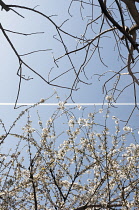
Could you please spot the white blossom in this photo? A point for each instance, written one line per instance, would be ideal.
(114, 118)
(127, 128)
(79, 107)
(100, 110)
(109, 98)
(71, 123)
(61, 105)
(98, 135)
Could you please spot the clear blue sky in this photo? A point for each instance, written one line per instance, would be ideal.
(42, 62)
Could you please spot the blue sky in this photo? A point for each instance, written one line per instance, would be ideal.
(42, 62)
(35, 89)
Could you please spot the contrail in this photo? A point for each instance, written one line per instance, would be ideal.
(69, 104)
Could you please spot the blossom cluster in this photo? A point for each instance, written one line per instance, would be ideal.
(64, 169)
